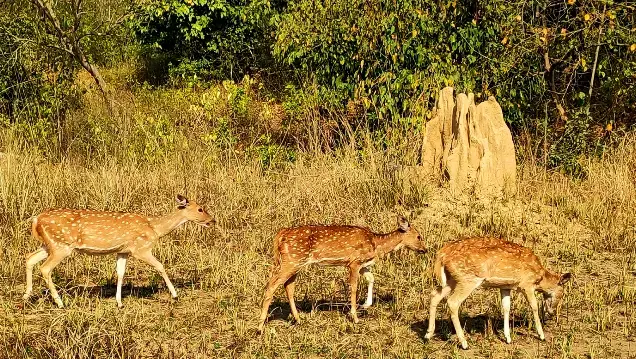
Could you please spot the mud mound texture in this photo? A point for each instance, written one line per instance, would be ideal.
(470, 145)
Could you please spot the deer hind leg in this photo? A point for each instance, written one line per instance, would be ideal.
(149, 258)
(436, 296)
(368, 276)
(290, 285)
(31, 260)
(354, 275)
(532, 300)
(274, 282)
(121, 269)
(457, 297)
(55, 257)
(505, 306)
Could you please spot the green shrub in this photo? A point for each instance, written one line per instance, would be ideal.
(208, 39)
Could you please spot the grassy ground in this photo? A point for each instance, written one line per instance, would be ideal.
(582, 226)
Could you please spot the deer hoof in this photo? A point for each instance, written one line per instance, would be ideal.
(59, 303)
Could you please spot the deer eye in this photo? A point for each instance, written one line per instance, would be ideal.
(419, 238)
(200, 209)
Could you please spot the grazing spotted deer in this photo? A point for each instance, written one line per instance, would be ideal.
(465, 265)
(63, 231)
(353, 247)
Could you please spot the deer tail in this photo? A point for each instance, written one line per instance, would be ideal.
(276, 247)
(34, 225)
(439, 272)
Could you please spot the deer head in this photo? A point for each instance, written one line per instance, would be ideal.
(411, 238)
(552, 288)
(193, 212)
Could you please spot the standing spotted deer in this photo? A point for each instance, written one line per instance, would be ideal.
(465, 265)
(353, 247)
(64, 231)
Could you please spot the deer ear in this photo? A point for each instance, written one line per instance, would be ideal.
(181, 201)
(565, 278)
(403, 224)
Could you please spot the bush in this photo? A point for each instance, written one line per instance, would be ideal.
(32, 78)
(38, 78)
(393, 57)
(208, 39)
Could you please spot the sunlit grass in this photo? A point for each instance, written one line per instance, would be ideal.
(584, 226)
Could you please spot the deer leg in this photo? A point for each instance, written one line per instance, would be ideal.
(457, 297)
(55, 257)
(436, 296)
(290, 285)
(354, 275)
(532, 300)
(505, 305)
(31, 260)
(121, 269)
(274, 282)
(368, 276)
(150, 259)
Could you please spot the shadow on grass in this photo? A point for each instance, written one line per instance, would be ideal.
(109, 290)
(280, 310)
(480, 325)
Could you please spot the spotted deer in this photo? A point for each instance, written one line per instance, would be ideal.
(63, 231)
(465, 265)
(353, 247)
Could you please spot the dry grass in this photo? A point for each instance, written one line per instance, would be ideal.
(585, 226)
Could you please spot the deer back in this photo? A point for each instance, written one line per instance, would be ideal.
(87, 229)
(500, 263)
(331, 245)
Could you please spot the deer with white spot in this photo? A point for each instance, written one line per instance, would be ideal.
(349, 246)
(465, 265)
(64, 231)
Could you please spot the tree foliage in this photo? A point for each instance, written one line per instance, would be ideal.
(564, 71)
(537, 57)
(34, 79)
(209, 38)
(42, 46)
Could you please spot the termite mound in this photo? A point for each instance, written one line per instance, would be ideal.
(469, 145)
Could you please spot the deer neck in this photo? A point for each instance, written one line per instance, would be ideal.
(388, 242)
(165, 224)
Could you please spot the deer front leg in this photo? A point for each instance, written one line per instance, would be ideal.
(505, 305)
(354, 275)
(368, 276)
(147, 257)
(532, 300)
(121, 268)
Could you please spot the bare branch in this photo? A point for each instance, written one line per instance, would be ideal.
(598, 46)
(70, 43)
